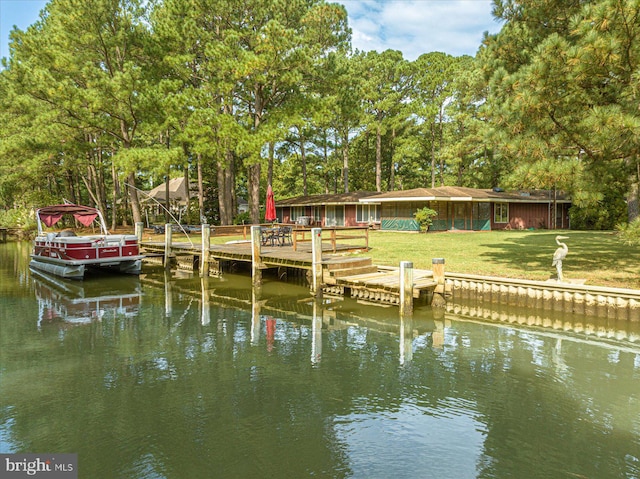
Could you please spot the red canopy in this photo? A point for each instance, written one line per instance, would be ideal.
(50, 215)
(270, 212)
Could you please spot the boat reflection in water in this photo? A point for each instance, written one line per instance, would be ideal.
(69, 303)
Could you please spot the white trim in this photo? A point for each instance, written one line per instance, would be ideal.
(396, 200)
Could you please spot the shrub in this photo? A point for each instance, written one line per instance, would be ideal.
(424, 217)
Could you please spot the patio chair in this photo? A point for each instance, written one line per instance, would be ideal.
(285, 235)
(267, 236)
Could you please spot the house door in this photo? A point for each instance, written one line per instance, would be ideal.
(334, 216)
(482, 216)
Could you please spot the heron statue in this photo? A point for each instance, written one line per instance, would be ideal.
(559, 255)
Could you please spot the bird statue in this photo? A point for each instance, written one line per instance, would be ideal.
(559, 255)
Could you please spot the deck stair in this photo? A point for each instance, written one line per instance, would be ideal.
(341, 267)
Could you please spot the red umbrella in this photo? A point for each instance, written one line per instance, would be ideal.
(270, 213)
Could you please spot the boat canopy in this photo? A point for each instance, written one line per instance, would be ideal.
(50, 215)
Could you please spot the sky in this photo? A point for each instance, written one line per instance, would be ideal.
(414, 27)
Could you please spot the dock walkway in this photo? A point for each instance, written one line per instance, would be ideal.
(356, 277)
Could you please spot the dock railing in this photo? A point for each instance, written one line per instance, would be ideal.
(332, 234)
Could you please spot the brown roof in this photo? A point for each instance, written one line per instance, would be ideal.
(330, 199)
(177, 190)
(459, 193)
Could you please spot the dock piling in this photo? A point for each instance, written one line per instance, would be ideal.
(437, 265)
(406, 288)
(206, 250)
(139, 228)
(256, 260)
(316, 261)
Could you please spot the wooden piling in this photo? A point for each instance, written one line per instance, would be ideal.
(406, 288)
(437, 267)
(206, 250)
(316, 261)
(256, 260)
(167, 246)
(139, 228)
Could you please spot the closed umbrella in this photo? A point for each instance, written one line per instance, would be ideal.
(270, 213)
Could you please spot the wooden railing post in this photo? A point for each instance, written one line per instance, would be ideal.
(333, 240)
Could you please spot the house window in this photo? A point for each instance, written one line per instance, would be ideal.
(501, 212)
(317, 214)
(367, 213)
(296, 211)
(334, 215)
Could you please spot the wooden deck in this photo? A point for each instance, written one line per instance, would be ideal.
(356, 277)
(272, 256)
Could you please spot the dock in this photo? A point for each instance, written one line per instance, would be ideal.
(322, 263)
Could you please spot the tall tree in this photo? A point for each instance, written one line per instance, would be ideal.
(564, 86)
(383, 90)
(86, 60)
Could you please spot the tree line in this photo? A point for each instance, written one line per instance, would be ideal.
(101, 99)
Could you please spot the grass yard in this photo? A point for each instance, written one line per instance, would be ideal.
(598, 257)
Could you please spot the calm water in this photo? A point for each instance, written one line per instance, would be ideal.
(151, 378)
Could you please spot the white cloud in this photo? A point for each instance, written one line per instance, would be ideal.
(420, 26)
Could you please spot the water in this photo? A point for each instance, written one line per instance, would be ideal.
(151, 378)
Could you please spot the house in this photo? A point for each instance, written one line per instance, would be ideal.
(154, 200)
(461, 208)
(458, 208)
(342, 209)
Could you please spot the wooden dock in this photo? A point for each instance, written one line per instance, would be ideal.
(330, 273)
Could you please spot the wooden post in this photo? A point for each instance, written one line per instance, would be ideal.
(256, 260)
(406, 288)
(316, 261)
(139, 228)
(333, 240)
(167, 246)
(206, 250)
(438, 273)
(438, 276)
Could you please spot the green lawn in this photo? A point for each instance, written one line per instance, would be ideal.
(598, 257)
